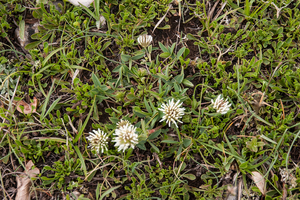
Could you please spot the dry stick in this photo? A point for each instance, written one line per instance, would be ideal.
(221, 54)
(106, 178)
(71, 124)
(219, 12)
(158, 23)
(278, 10)
(212, 10)
(283, 115)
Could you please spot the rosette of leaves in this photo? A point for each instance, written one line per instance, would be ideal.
(100, 92)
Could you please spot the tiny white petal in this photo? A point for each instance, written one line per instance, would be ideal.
(98, 141)
(172, 112)
(222, 106)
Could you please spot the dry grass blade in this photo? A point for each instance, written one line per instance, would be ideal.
(259, 181)
(158, 23)
(24, 181)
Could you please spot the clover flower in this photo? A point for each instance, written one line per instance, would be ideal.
(222, 106)
(122, 123)
(86, 3)
(98, 141)
(144, 40)
(172, 112)
(125, 137)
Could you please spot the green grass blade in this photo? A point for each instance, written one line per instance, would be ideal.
(51, 107)
(81, 160)
(85, 123)
(109, 191)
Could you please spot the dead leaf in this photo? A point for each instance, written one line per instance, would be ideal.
(24, 181)
(260, 182)
(27, 107)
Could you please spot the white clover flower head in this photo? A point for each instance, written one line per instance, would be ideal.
(144, 40)
(222, 106)
(123, 123)
(125, 137)
(172, 112)
(98, 141)
(86, 3)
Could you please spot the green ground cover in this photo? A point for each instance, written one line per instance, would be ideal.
(205, 106)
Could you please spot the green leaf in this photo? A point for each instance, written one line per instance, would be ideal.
(98, 191)
(186, 52)
(83, 167)
(109, 191)
(186, 142)
(22, 29)
(165, 55)
(141, 145)
(154, 147)
(96, 80)
(5, 159)
(154, 135)
(179, 78)
(163, 48)
(125, 58)
(169, 141)
(84, 125)
(50, 55)
(147, 106)
(51, 107)
(139, 56)
(187, 83)
(140, 113)
(180, 52)
(189, 176)
(32, 45)
(165, 27)
(105, 46)
(45, 37)
(239, 111)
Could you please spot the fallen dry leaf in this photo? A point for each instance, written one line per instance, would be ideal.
(260, 182)
(27, 107)
(24, 181)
